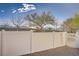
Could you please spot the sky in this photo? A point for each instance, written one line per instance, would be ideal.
(62, 11)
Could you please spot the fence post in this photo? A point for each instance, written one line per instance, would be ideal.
(53, 38)
(65, 36)
(2, 43)
(31, 42)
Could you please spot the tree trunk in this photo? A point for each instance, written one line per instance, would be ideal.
(18, 28)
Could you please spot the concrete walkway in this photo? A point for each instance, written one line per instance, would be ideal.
(61, 51)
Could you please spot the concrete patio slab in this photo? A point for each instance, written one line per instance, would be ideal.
(61, 51)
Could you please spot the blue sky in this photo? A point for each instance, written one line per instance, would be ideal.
(60, 11)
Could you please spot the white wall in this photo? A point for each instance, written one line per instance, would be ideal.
(47, 40)
(41, 41)
(77, 40)
(71, 41)
(59, 39)
(16, 43)
(25, 42)
(0, 43)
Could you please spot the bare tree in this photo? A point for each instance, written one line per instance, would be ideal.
(17, 21)
(40, 20)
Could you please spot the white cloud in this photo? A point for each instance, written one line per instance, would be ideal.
(25, 8)
(2, 11)
(14, 11)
